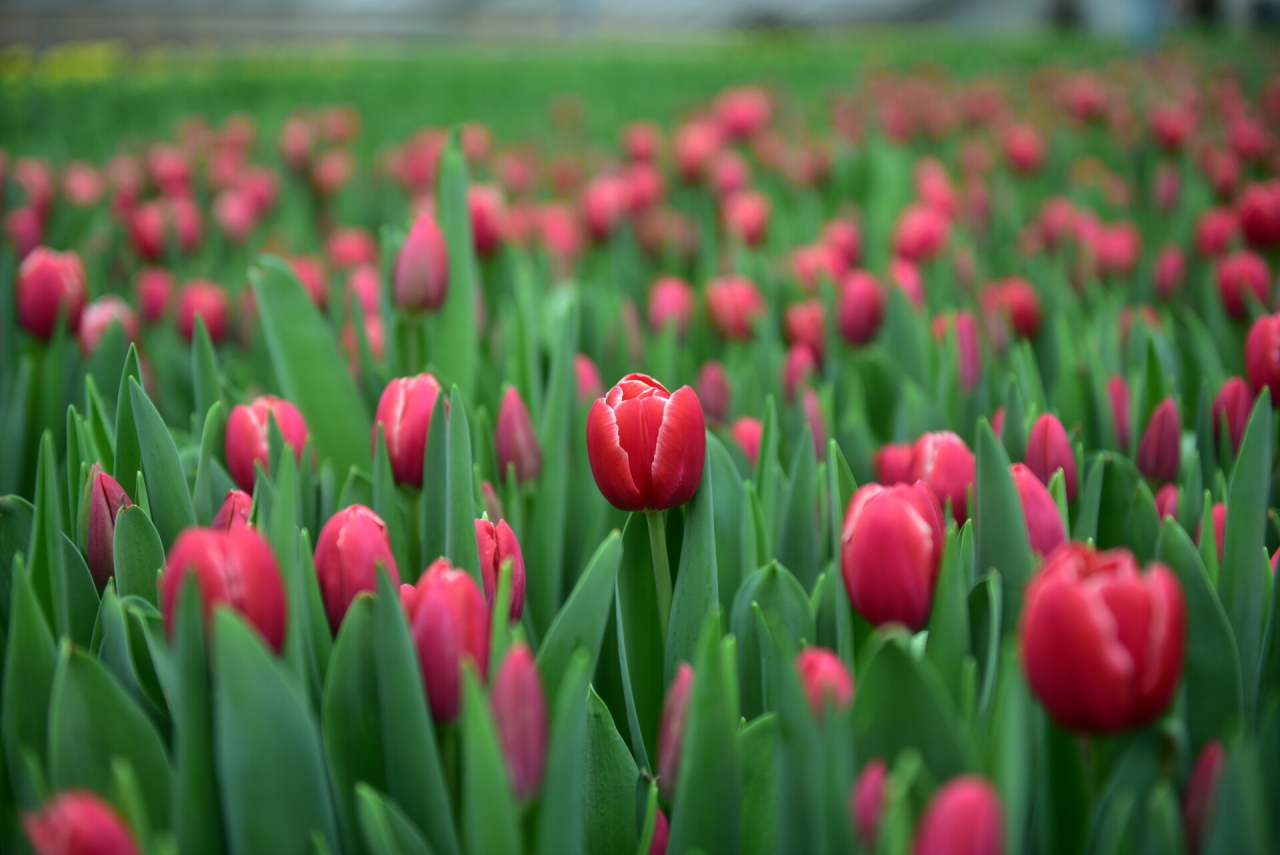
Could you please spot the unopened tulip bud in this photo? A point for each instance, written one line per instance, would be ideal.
(1234, 403)
(154, 289)
(1118, 393)
(1167, 501)
(1217, 230)
(1121, 666)
(861, 307)
(866, 802)
(921, 233)
(590, 386)
(963, 816)
(747, 433)
(1160, 451)
(642, 141)
(735, 305)
(817, 263)
(1259, 210)
(516, 439)
(78, 822)
(404, 412)
(450, 621)
(420, 279)
(104, 497)
(1014, 303)
(946, 464)
(675, 715)
(349, 247)
(50, 282)
(646, 445)
(1218, 515)
(696, 143)
(1171, 268)
(247, 430)
(845, 237)
(311, 273)
(520, 714)
(825, 680)
(233, 568)
(497, 545)
(746, 216)
(1024, 148)
(890, 549)
(208, 300)
(798, 369)
(1048, 450)
(712, 384)
(671, 301)
(234, 511)
(102, 314)
(806, 323)
(1239, 276)
(351, 546)
(661, 834)
(604, 203)
(1045, 528)
(1198, 804)
(893, 462)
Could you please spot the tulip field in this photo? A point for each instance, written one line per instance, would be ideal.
(778, 450)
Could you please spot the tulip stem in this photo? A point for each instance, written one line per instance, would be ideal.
(661, 568)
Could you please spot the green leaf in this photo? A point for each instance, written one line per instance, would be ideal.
(128, 454)
(44, 555)
(640, 642)
(609, 810)
(197, 814)
(1240, 821)
(1002, 542)
(727, 519)
(385, 828)
(490, 825)
(1011, 749)
(841, 487)
(984, 628)
(208, 493)
(204, 371)
(30, 659)
(582, 621)
(139, 557)
(767, 476)
(460, 534)
(267, 748)
(948, 641)
(696, 590)
(799, 542)
(310, 368)
(162, 468)
(433, 520)
(1062, 790)
(1089, 503)
(1013, 433)
(561, 827)
(455, 347)
(282, 530)
(17, 517)
(783, 603)
(15, 422)
(758, 747)
(1164, 827)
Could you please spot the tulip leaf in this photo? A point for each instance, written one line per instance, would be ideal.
(1011, 748)
(77, 470)
(1089, 503)
(44, 555)
(455, 348)
(727, 519)
(696, 590)
(561, 819)
(309, 366)
(204, 371)
(582, 621)
(841, 486)
(80, 593)
(767, 476)
(1013, 432)
(948, 641)
(267, 745)
(138, 554)
(93, 721)
(162, 469)
(460, 533)
(113, 647)
(609, 812)
(281, 529)
(17, 517)
(15, 422)
(984, 628)
(640, 643)
(433, 521)
(1001, 529)
(212, 482)
(758, 747)
(1063, 789)
(799, 541)
(384, 827)
(128, 453)
(490, 825)
(782, 601)
(29, 664)
(1240, 823)
(1164, 825)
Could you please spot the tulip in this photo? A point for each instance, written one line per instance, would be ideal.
(893, 463)
(1172, 124)
(671, 301)
(921, 234)
(712, 384)
(1218, 515)
(890, 548)
(675, 715)
(1259, 211)
(806, 323)
(79, 822)
(1198, 804)
(860, 309)
(25, 228)
(642, 141)
(560, 234)
(825, 680)
(235, 214)
(520, 716)
(844, 236)
(449, 620)
(420, 278)
(1216, 231)
(728, 173)
(1118, 393)
(866, 802)
(102, 501)
(497, 544)
(234, 510)
(1024, 148)
(247, 429)
(310, 271)
(743, 111)
(1171, 268)
(1045, 528)
(590, 386)
(695, 143)
(747, 433)
(154, 289)
(746, 216)
(798, 369)
(49, 283)
(1262, 355)
(364, 285)
(661, 833)
(1102, 642)
(516, 439)
(1015, 303)
(968, 351)
(1160, 450)
(646, 188)
(735, 306)
(964, 816)
(351, 546)
(946, 464)
(99, 316)
(349, 247)
(1234, 403)
(814, 264)
(209, 301)
(1238, 275)
(233, 568)
(605, 201)
(404, 413)
(1048, 450)
(1167, 501)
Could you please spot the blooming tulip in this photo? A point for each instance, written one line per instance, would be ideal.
(866, 802)
(946, 464)
(712, 384)
(1259, 212)
(1159, 452)
(99, 316)
(449, 620)
(420, 278)
(962, 817)
(351, 546)
(79, 822)
(675, 714)
(520, 717)
(1239, 275)
(1048, 450)
(671, 301)
(209, 301)
(497, 543)
(247, 429)
(890, 548)
(1045, 528)
(310, 271)
(1198, 803)
(1171, 124)
(860, 308)
(516, 439)
(1102, 642)
(1234, 402)
(825, 680)
(50, 282)
(103, 499)
(735, 305)
(404, 413)
(234, 568)
(234, 510)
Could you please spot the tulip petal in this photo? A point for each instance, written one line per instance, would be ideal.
(609, 460)
(680, 450)
(1166, 640)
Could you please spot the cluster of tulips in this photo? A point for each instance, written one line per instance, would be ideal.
(930, 511)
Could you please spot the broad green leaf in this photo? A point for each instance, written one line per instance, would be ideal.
(1062, 790)
(561, 827)
(1001, 529)
(197, 815)
(433, 519)
(758, 746)
(162, 468)
(948, 641)
(799, 542)
(582, 621)
(782, 601)
(640, 643)
(128, 455)
(17, 516)
(139, 557)
(455, 348)
(1011, 748)
(204, 372)
(609, 810)
(30, 660)
(386, 503)
(207, 494)
(384, 827)
(841, 486)
(727, 519)
(460, 534)
(490, 825)
(696, 589)
(44, 558)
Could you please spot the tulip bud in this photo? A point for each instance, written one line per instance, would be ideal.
(450, 621)
(968, 351)
(712, 384)
(1217, 229)
(604, 204)
(99, 316)
(646, 445)
(963, 816)
(234, 511)
(1234, 402)
(209, 301)
(825, 680)
(1160, 450)
(735, 305)
(404, 412)
(516, 439)
(921, 233)
(520, 714)
(590, 386)
(893, 462)
(642, 141)
(1102, 642)
(811, 407)
(102, 501)
(1044, 524)
(661, 833)
(1238, 275)
(311, 274)
(154, 288)
(670, 302)
(747, 433)
(798, 369)
(1024, 148)
(1118, 392)
(1048, 450)
(420, 278)
(806, 323)
(861, 307)
(890, 548)
(351, 546)
(1202, 794)
(49, 282)
(1259, 210)
(349, 247)
(675, 714)
(816, 263)
(233, 568)
(247, 429)
(1218, 514)
(78, 822)
(497, 544)
(946, 464)
(1014, 304)
(1167, 501)
(1171, 268)
(843, 235)
(696, 142)
(866, 802)
(746, 216)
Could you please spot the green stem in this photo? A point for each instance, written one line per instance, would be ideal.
(661, 568)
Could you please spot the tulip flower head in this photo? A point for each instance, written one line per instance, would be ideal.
(1045, 528)
(945, 463)
(860, 308)
(235, 510)
(675, 715)
(671, 301)
(420, 278)
(404, 414)
(247, 434)
(1160, 451)
(352, 544)
(712, 384)
(516, 439)
(825, 679)
(520, 716)
(50, 282)
(866, 802)
(964, 816)
(209, 301)
(735, 305)
(103, 499)
(79, 822)
(1233, 405)
(1048, 450)
(1201, 796)
(498, 544)
(449, 621)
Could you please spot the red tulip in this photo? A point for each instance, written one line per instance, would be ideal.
(806, 323)
(866, 802)
(797, 369)
(675, 714)
(825, 680)
(1014, 304)
(712, 384)
(310, 272)
(921, 234)
(404, 412)
(646, 188)
(103, 499)
(449, 621)
(1234, 401)
(1116, 249)
(728, 173)
(816, 263)
(890, 548)
(247, 429)
(844, 236)
(962, 817)
(860, 309)
(743, 111)
(79, 822)
(1118, 392)
(735, 306)
(746, 216)
(234, 511)
(81, 184)
(351, 546)
(1048, 450)
(497, 543)
(1171, 124)
(25, 228)
(154, 288)
(671, 301)
(233, 568)
(1102, 642)
(1259, 210)
(420, 278)
(968, 349)
(516, 439)
(209, 301)
(1238, 275)
(99, 316)
(1199, 802)
(946, 464)
(520, 715)
(893, 462)
(1171, 268)
(811, 407)
(1262, 355)
(1024, 148)
(590, 386)
(605, 202)
(646, 445)
(1160, 451)
(696, 142)
(349, 247)
(747, 433)
(235, 214)
(1167, 501)
(642, 141)
(1216, 231)
(934, 188)
(50, 282)
(661, 833)
(1218, 514)
(1044, 524)
(364, 285)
